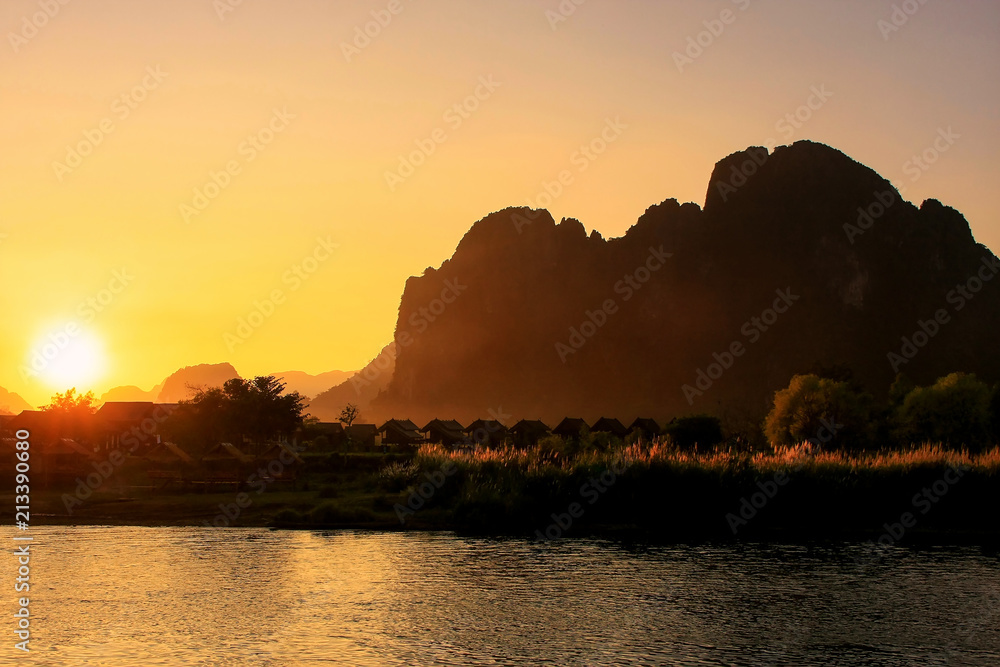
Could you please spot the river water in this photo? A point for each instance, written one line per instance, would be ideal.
(196, 596)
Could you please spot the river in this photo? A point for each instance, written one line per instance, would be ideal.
(130, 596)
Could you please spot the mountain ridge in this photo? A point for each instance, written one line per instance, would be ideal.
(865, 266)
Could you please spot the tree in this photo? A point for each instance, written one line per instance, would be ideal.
(954, 411)
(814, 409)
(256, 410)
(687, 432)
(71, 413)
(72, 403)
(348, 415)
(900, 389)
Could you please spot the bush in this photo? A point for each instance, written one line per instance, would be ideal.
(819, 409)
(687, 432)
(954, 411)
(397, 476)
(556, 444)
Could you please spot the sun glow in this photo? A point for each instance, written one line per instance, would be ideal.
(69, 360)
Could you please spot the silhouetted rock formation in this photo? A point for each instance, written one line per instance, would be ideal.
(543, 321)
(182, 384)
(11, 403)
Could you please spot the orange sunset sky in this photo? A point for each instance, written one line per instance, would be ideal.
(198, 81)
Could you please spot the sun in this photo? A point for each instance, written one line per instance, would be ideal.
(70, 358)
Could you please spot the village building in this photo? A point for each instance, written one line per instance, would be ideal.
(570, 428)
(527, 432)
(648, 428)
(131, 425)
(400, 432)
(487, 433)
(609, 425)
(362, 435)
(167, 463)
(447, 432)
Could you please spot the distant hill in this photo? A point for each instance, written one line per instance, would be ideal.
(175, 387)
(802, 258)
(130, 393)
(12, 404)
(360, 389)
(311, 385)
(183, 384)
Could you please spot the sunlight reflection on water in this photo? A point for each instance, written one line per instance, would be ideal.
(196, 596)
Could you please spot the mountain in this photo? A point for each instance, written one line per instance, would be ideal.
(175, 387)
(311, 385)
(360, 389)
(183, 384)
(129, 393)
(800, 259)
(11, 403)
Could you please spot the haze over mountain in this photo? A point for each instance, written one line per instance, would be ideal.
(183, 384)
(311, 385)
(360, 388)
(11, 403)
(803, 259)
(130, 393)
(178, 385)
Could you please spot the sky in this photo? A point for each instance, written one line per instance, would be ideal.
(169, 169)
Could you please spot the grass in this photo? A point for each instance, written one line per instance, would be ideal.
(660, 489)
(651, 488)
(660, 455)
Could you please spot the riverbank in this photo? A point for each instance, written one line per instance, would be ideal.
(645, 493)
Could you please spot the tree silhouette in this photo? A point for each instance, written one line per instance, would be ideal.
(348, 415)
(812, 408)
(71, 413)
(955, 411)
(72, 403)
(241, 411)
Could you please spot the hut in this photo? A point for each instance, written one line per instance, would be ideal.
(570, 428)
(447, 432)
(225, 452)
(131, 425)
(326, 436)
(648, 428)
(280, 462)
(487, 433)
(400, 432)
(66, 457)
(167, 463)
(167, 453)
(610, 425)
(41, 425)
(279, 451)
(225, 464)
(527, 432)
(362, 435)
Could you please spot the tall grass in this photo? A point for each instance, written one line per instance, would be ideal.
(719, 460)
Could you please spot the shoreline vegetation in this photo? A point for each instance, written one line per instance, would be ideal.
(828, 462)
(646, 490)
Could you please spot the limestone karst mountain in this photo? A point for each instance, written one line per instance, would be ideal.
(800, 258)
(182, 384)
